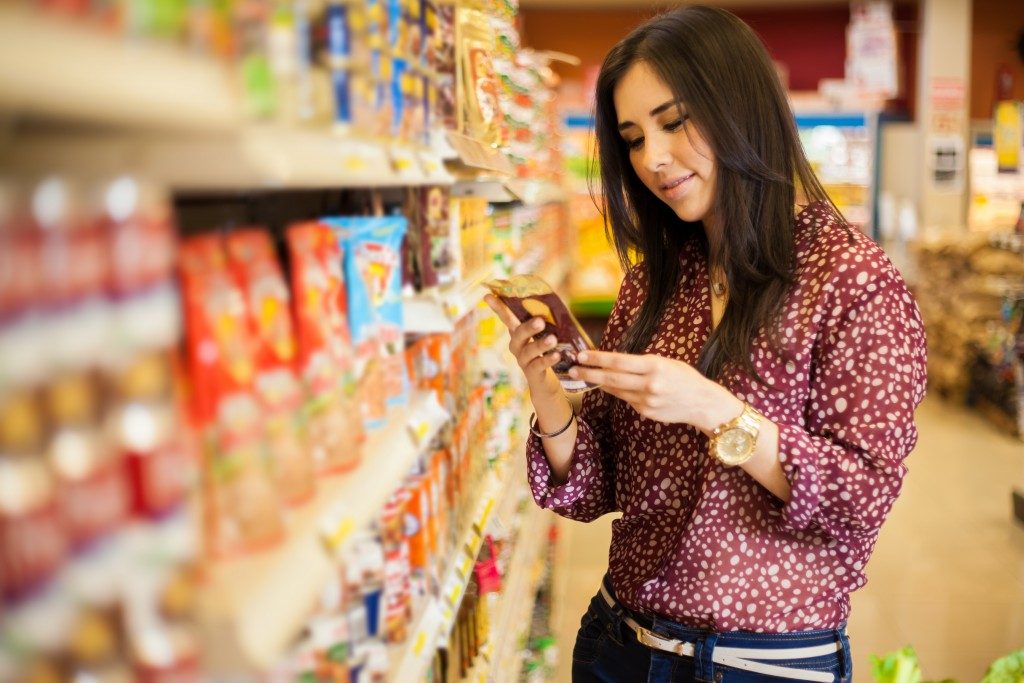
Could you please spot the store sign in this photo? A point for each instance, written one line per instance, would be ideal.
(948, 106)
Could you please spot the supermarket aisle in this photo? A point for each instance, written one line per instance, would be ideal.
(947, 576)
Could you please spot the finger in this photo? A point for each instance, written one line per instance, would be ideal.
(536, 349)
(621, 362)
(609, 378)
(502, 311)
(541, 363)
(521, 335)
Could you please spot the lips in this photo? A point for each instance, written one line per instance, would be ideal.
(676, 186)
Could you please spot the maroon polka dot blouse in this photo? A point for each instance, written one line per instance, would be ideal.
(708, 546)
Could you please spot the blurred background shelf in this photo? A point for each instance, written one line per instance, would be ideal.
(412, 659)
(81, 74)
(255, 606)
(252, 157)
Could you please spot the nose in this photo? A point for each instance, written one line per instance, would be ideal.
(656, 153)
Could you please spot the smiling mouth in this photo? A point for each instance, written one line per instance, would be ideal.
(671, 185)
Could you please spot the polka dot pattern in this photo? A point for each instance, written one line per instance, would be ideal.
(710, 547)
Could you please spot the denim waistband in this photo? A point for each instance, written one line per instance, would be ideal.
(673, 629)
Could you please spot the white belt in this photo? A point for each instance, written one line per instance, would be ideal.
(737, 657)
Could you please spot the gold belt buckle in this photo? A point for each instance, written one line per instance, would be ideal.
(652, 640)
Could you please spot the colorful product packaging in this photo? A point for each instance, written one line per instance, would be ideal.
(481, 116)
(242, 510)
(32, 541)
(326, 360)
(372, 261)
(94, 494)
(254, 263)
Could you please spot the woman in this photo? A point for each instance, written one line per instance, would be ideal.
(758, 378)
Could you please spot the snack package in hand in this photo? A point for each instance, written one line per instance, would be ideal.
(528, 296)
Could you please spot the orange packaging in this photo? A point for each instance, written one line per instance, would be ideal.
(254, 265)
(428, 358)
(242, 510)
(438, 517)
(325, 358)
(417, 519)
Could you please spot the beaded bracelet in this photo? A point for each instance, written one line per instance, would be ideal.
(533, 426)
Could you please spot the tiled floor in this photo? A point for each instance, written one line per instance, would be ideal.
(947, 575)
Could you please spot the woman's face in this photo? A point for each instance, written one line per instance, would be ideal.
(668, 153)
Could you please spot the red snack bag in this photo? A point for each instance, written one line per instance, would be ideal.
(254, 264)
(325, 359)
(93, 488)
(242, 510)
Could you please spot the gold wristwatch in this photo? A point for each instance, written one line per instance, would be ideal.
(733, 443)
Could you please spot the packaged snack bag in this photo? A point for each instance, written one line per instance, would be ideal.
(326, 360)
(442, 38)
(142, 416)
(32, 541)
(481, 116)
(372, 260)
(439, 249)
(528, 296)
(242, 507)
(92, 482)
(254, 264)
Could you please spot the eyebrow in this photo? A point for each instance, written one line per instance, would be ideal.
(654, 112)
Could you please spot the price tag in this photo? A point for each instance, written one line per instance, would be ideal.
(482, 521)
(420, 429)
(430, 165)
(335, 532)
(420, 644)
(354, 163)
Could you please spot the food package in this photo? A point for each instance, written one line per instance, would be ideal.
(254, 264)
(528, 296)
(481, 115)
(326, 360)
(373, 275)
(442, 59)
(242, 509)
(32, 541)
(92, 481)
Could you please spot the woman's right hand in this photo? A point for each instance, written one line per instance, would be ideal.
(535, 356)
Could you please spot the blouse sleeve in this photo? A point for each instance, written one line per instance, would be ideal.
(589, 490)
(845, 464)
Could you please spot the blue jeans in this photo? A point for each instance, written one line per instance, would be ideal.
(607, 651)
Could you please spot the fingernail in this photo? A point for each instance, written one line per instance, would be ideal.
(574, 373)
(582, 357)
(550, 341)
(538, 323)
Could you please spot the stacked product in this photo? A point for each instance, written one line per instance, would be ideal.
(93, 464)
(972, 311)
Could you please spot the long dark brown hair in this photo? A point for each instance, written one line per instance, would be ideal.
(719, 69)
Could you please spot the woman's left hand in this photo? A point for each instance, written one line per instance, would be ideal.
(658, 388)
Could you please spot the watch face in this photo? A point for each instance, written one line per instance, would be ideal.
(733, 445)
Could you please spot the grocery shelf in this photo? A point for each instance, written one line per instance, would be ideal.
(252, 156)
(60, 69)
(436, 311)
(254, 607)
(516, 605)
(474, 156)
(411, 660)
(536, 192)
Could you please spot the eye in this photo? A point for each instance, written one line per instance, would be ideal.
(673, 126)
(635, 144)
